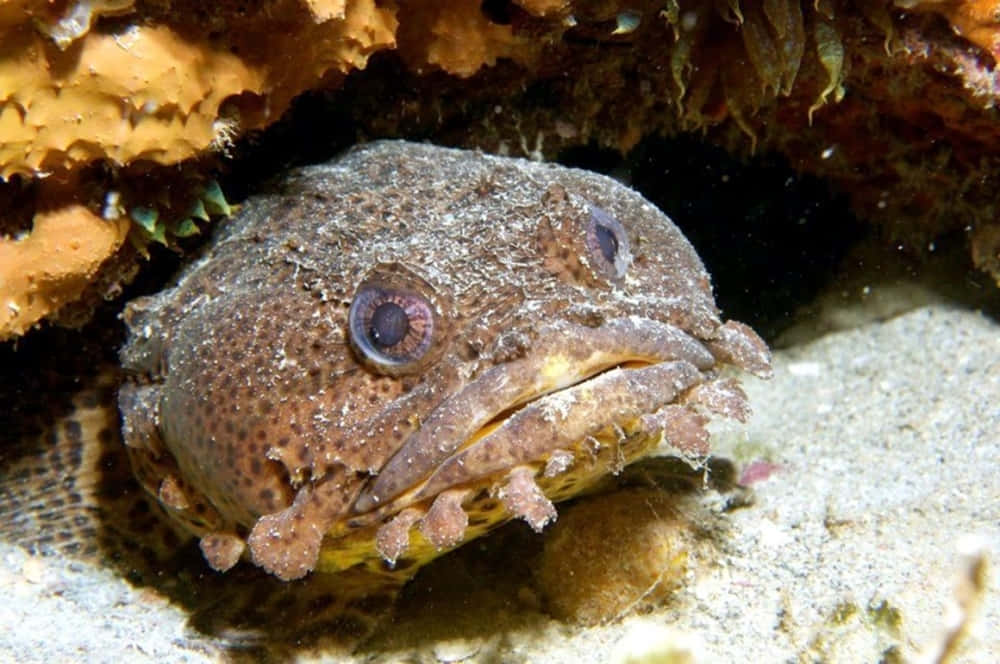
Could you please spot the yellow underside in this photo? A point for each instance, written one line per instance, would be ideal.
(345, 548)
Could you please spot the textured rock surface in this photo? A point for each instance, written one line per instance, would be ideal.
(54, 264)
(884, 450)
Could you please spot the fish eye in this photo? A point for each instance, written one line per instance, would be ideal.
(607, 243)
(391, 329)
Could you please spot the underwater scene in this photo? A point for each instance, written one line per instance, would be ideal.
(630, 331)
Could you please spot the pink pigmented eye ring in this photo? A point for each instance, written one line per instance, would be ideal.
(390, 329)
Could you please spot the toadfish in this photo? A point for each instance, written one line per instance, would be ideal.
(390, 354)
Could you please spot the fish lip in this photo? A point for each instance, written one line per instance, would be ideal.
(442, 479)
(623, 416)
(463, 419)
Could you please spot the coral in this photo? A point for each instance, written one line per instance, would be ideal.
(458, 38)
(162, 88)
(53, 265)
(610, 555)
(64, 24)
(976, 20)
(461, 38)
(156, 92)
(140, 101)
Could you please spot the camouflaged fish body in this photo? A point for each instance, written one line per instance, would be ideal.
(394, 352)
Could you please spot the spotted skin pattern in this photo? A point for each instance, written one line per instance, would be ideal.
(559, 328)
(551, 312)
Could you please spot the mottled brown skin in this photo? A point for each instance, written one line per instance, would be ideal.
(556, 355)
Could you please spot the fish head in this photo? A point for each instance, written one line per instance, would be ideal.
(409, 337)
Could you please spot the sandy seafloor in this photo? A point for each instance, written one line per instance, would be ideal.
(886, 439)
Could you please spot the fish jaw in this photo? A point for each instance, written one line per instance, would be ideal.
(573, 354)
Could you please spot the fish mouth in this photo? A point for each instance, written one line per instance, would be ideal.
(578, 382)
